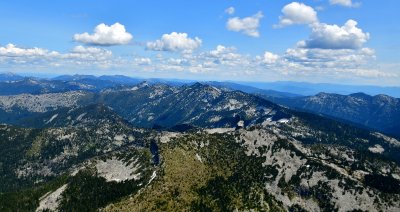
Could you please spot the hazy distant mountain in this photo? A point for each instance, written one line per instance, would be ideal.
(117, 79)
(62, 84)
(275, 89)
(252, 90)
(308, 89)
(39, 86)
(6, 77)
(380, 112)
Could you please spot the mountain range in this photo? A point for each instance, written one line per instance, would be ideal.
(309, 89)
(380, 112)
(162, 146)
(288, 88)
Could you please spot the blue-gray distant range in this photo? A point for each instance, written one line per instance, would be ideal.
(307, 89)
(286, 88)
(372, 107)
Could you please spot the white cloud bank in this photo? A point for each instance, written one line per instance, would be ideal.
(333, 59)
(297, 13)
(333, 64)
(247, 25)
(88, 53)
(268, 58)
(222, 62)
(11, 50)
(175, 42)
(115, 34)
(79, 55)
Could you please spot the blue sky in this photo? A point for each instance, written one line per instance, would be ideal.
(341, 41)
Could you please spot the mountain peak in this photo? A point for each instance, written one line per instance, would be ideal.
(9, 76)
(325, 95)
(386, 99)
(360, 95)
(143, 84)
(198, 85)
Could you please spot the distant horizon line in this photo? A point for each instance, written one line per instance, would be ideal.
(52, 76)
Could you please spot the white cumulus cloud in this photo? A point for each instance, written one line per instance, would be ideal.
(11, 50)
(341, 57)
(79, 56)
(224, 55)
(175, 42)
(88, 53)
(224, 52)
(346, 3)
(115, 34)
(297, 13)
(326, 36)
(269, 58)
(247, 25)
(142, 61)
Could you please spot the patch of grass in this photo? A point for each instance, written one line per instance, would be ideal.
(36, 147)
